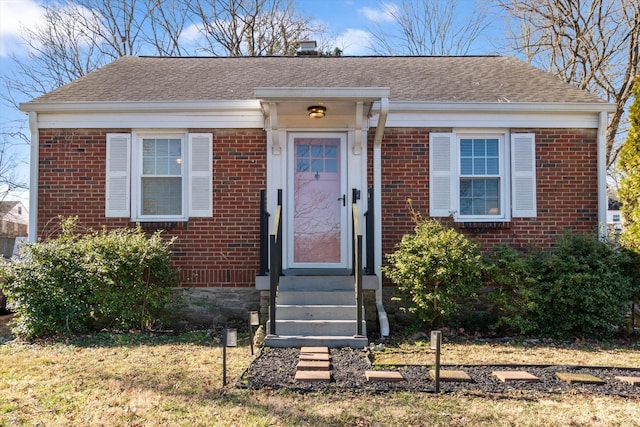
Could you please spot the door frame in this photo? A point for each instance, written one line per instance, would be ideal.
(345, 241)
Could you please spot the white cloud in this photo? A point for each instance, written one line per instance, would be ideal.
(14, 15)
(354, 42)
(385, 14)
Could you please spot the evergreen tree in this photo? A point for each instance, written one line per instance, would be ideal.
(629, 166)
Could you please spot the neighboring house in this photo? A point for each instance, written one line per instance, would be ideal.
(510, 153)
(614, 216)
(14, 223)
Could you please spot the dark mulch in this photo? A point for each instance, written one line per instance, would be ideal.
(275, 368)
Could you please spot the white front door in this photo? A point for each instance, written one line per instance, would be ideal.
(317, 200)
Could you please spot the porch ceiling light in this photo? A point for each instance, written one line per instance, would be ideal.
(317, 111)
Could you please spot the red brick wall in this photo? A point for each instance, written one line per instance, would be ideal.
(218, 251)
(224, 250)
(566, 187)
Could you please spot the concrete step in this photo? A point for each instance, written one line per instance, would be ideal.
(317, 327)
(316, 312)
(315, 341)
(316, 283)
(300, 297)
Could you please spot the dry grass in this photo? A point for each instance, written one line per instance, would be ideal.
(581, 353)
(143, 380)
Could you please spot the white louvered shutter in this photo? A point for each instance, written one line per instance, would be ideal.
(441, 155)
(118, 182)
(523, 175)
(200, 175)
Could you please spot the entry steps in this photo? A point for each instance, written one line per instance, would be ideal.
(316, 311)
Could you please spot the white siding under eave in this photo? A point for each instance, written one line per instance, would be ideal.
(153, 120)
(461, 119)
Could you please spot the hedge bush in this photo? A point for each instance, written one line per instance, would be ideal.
(436, 269)
(119, 280)
(581, 288)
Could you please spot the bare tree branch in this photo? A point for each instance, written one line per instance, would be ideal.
(429, 27)
(251, 27)
(591, 45)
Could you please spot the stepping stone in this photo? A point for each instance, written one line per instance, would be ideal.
(388, 376)
(314, 356)
(313, 365)
(512, 376)
(314, 350)
(313, 376)
(451, 376)
(629, 380)
(578, 378)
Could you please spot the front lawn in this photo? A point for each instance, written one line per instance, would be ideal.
(154, 380)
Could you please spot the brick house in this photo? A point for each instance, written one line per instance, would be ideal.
(507, 152)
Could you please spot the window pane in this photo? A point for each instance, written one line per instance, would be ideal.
(465, 187)
(316, 150)
(479, 148)
(303, 165)
(492, 147)
(479, 196)
(479, 167)
(331, 151)
(162, 157)
(316, 165)
(492, 166)
(466, 166)
(466, 147)
(161, 196)
(303, 151)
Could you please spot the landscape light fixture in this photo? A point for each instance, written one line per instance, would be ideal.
(317, 111)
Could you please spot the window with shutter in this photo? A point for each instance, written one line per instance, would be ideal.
(481, 177)
(159, 176)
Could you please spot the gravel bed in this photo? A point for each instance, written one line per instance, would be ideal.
(275, 368)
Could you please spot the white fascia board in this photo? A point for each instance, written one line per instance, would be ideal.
(324, 93)
(500, 114)
(499, 106)
(141, 106)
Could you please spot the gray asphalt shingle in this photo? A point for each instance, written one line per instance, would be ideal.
(437, 79)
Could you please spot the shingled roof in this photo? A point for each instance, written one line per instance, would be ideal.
(435, 79)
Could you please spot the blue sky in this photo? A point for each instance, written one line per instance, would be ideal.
(348, 22)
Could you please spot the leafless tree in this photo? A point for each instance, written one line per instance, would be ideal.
(429, 27)
(11, 184)
(590, 44)
(251, 27)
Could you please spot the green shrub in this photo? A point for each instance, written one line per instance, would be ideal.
(514, 284)
(581, 288)
(75, 283)
(436, 269)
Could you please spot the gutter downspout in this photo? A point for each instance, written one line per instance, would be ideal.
(377, 203)
(33, 176)
(603, 202)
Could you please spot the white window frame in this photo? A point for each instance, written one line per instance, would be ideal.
(518, 163)
(136, 174)
(503, 173)
(124, 175)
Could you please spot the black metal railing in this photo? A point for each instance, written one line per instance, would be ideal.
(264, 234)
(357, 260)
(369, 268)
(275, 270)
